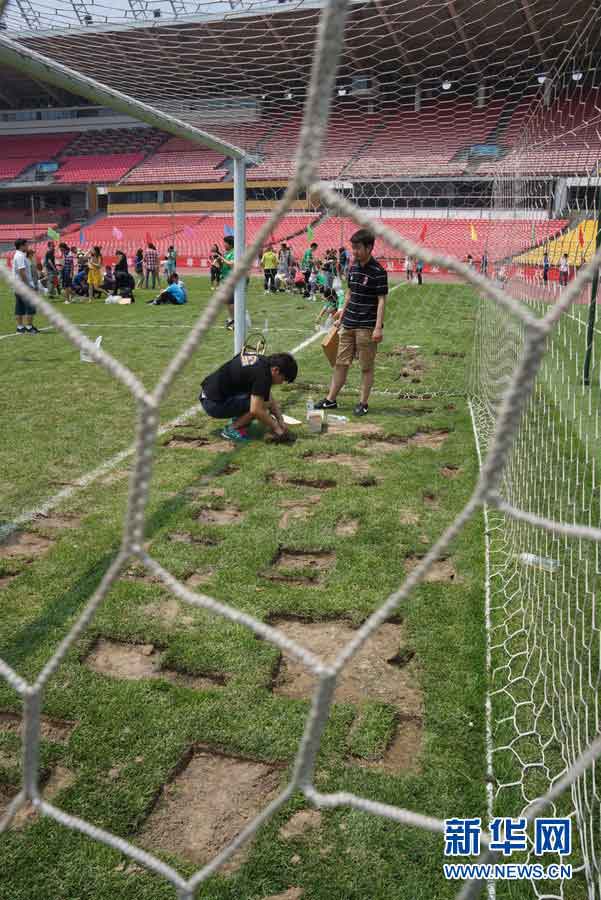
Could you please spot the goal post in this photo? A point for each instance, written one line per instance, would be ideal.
(30, 62)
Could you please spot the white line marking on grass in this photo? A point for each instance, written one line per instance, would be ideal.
(187, 327)
(111, 463)
(17, 334)
(491, 887)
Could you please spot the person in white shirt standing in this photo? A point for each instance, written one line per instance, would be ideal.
(564, 270)
(24, 311)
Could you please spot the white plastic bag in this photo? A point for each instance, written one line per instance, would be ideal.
(84, 356)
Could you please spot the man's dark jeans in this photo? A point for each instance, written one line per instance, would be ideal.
(230, 408)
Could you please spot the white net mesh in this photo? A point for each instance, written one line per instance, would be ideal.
(539, 484)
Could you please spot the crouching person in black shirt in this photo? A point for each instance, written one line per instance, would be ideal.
(241, 391)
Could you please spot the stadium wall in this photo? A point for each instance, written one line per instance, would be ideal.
(209, 196)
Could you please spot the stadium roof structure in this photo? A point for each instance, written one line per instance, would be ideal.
(189, 51)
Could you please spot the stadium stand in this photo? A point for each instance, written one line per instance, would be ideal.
(8, 233)
(183, 167)
(193, 235)
(107, 167)
(577, 242)
(564, 139)
(19, 152)
(401, 142)
(114, 140)
(343, 140)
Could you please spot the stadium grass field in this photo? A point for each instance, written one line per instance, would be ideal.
(130, 737)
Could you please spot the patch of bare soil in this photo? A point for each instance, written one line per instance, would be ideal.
(198, 578)
(373, 673)
(137, 661)
(170, 611)
(403, 752)
(307, 567)
(6, 580)
(299, 508)
(441, 570)
(228, 516)
(365, 428)
(205, 492)
(347, 527)
(137, 572)
(431, 500)
(188, 442)
(450, 471)
(357, 463)
(407, 517)
(54, 520)
(293, 893)
(25, 545)
(207, 804)
(433, 440)
(56, 731)
(404, 350)
(301, 822)
(184, 537)
(60, 779)
(282, 478)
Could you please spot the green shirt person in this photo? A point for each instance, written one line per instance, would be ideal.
(227, 263)
(307, 260)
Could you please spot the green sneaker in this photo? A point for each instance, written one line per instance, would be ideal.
(235, 435)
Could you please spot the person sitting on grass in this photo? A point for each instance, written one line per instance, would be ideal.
(80, 284)
(174, 293)
(108, 282)
(241, 391)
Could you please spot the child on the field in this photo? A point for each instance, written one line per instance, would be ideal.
(330, 306)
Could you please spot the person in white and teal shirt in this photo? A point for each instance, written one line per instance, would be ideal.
(226, 260)
(171, 261)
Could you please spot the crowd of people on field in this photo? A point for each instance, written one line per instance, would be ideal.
(310, 275)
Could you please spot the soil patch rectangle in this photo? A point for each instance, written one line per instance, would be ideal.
(56, 731)
(183, 442)
(134, 662)
(372, 674)
(228, 516)
(440, 570)
(301, 566)
(25, 545)
(206, 806)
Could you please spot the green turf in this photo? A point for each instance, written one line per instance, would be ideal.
(65, 418)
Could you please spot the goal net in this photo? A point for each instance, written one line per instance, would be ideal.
(483, 165)
(543, 579)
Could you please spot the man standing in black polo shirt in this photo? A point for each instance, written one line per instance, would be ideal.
(361, 321)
